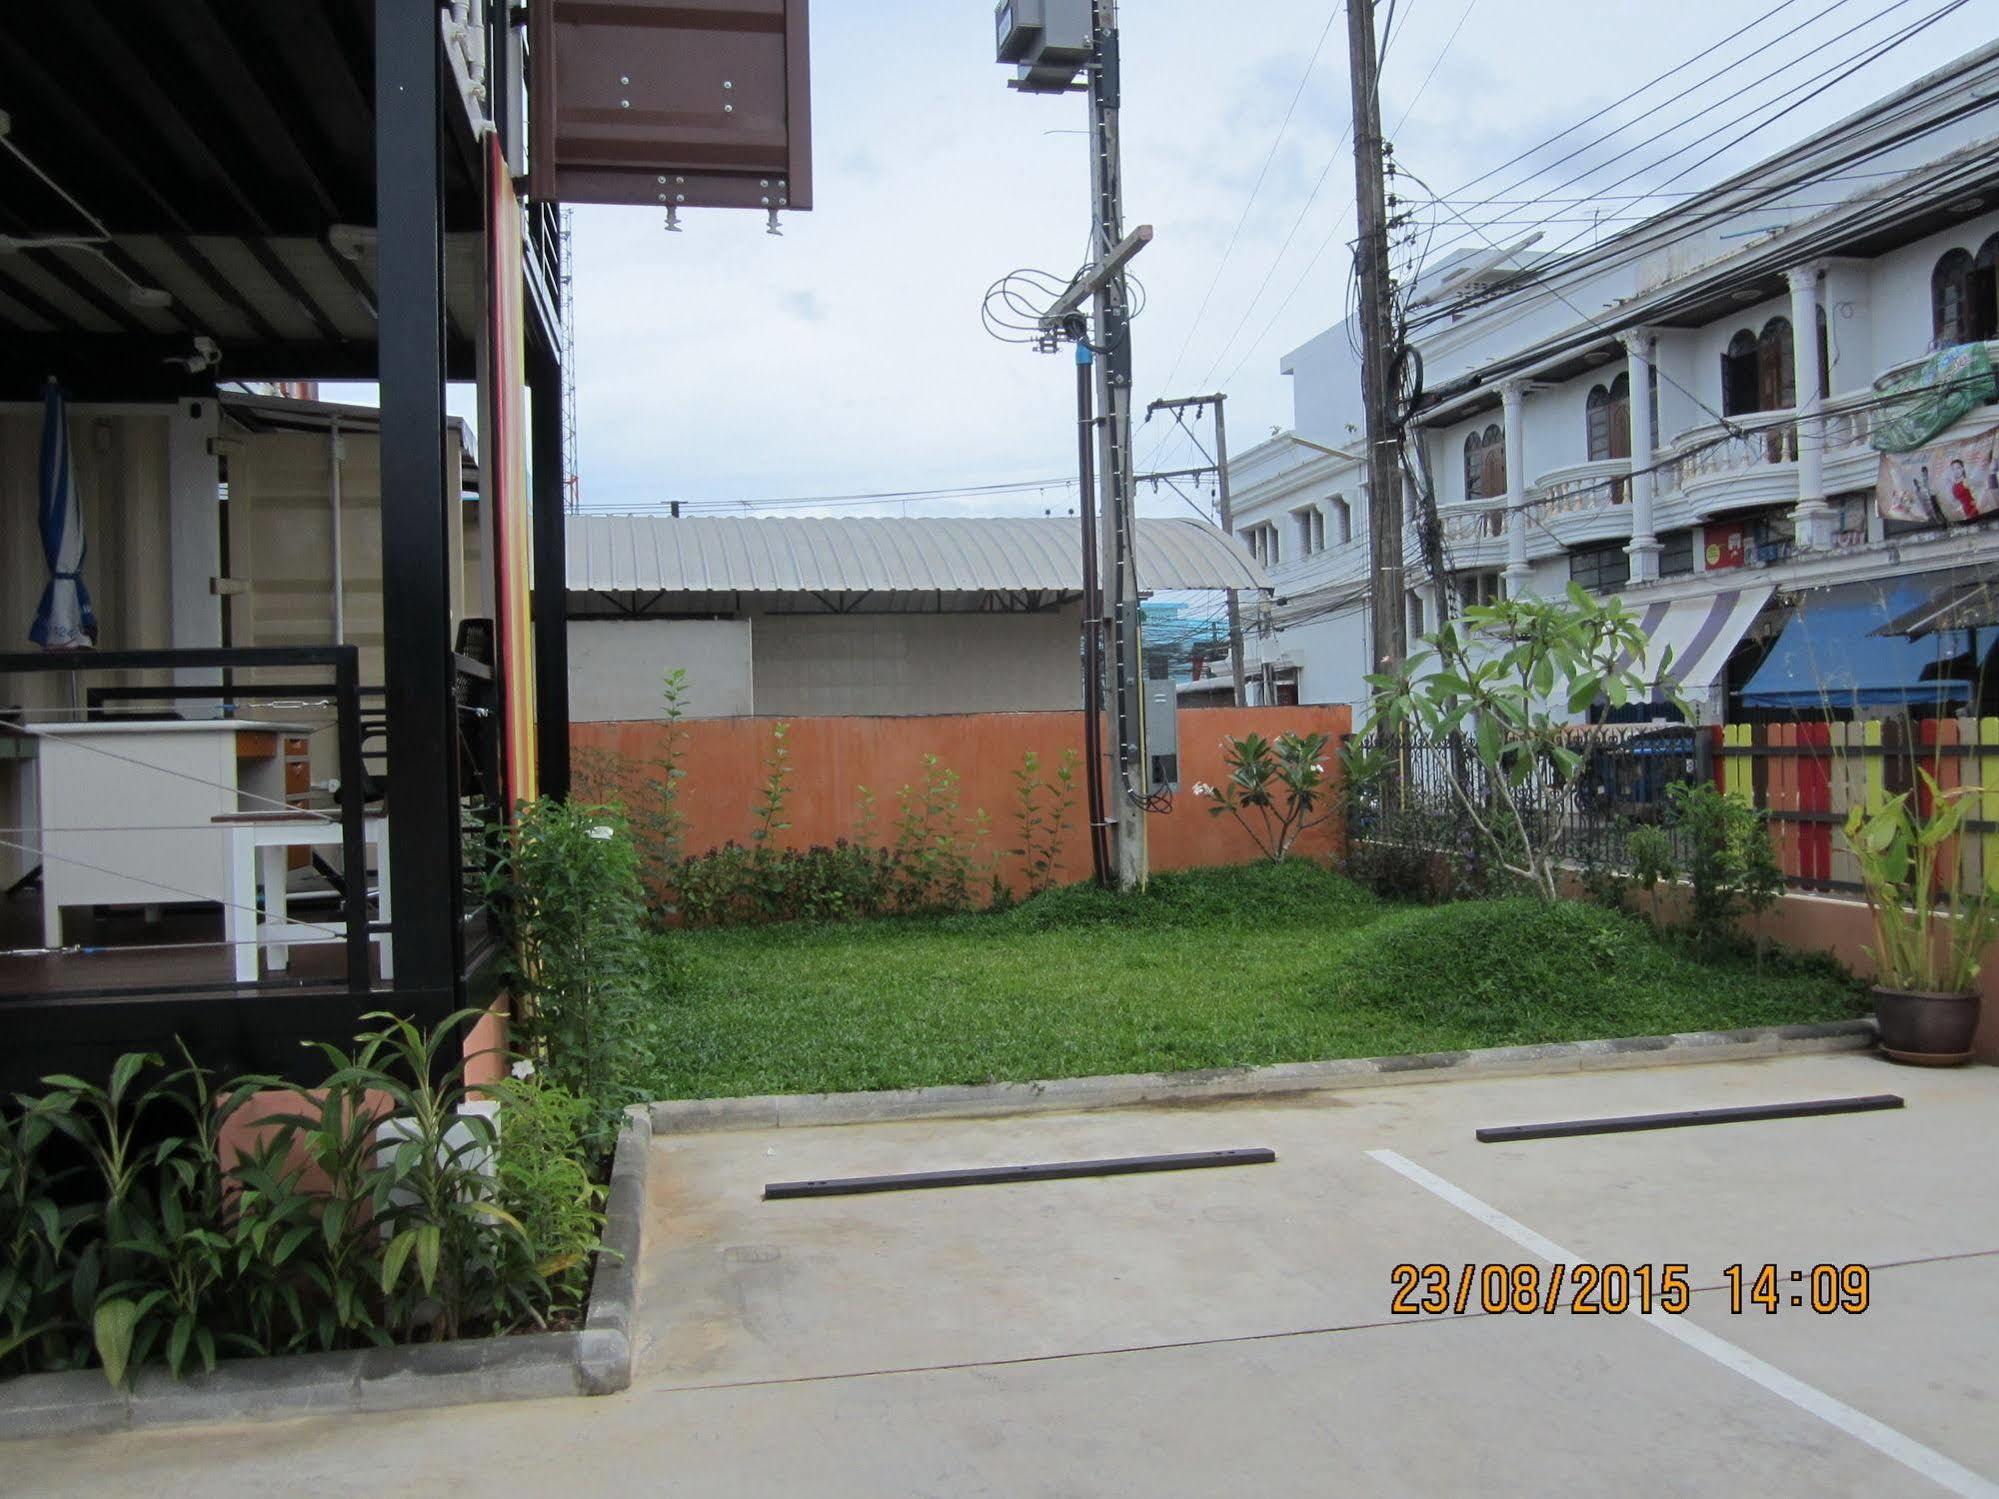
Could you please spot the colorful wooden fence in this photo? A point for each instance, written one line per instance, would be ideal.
(1807, 776)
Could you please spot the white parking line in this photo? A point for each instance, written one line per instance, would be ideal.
(1886, 1440)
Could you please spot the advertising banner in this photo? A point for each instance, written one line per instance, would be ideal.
(1957, 481)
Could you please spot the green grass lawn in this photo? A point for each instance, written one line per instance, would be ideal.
(1208, 969)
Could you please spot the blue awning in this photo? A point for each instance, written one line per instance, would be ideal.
(1829, 655)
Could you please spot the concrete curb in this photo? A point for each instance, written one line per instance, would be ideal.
(985, 1100)
(595, 1360)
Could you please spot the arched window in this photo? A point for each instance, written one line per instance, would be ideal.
(1776, 368)
(1485, 464)
(1738, 375)
(1950, 299)
(1985, 291)
(1609, 410)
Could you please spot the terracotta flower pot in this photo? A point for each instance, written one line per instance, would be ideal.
(1928, 1030)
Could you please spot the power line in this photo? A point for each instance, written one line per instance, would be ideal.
(1669, 230)
(1808, 88)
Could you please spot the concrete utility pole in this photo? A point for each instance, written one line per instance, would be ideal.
(1117, 551)
(1221, 472)
(1377, 344)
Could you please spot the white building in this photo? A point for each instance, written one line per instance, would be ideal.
(1736, 344)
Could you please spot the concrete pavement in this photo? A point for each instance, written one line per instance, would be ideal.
(1230, 1330)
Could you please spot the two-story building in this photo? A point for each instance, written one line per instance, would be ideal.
(1692, 414)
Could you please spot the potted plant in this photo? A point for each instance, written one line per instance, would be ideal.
(1930, 931)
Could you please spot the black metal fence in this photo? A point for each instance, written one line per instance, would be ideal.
(1436, 795)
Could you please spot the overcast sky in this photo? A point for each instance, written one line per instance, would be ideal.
(848, 356)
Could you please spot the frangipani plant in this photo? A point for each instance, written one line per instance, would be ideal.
(1509, 682)
(1931, 926)
(1282, 782)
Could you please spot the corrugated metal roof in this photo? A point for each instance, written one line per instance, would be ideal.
(854, 554)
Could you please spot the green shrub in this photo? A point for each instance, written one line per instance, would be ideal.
(1731, 865)
(567, 884)
(545, 1184)
(1510, 971)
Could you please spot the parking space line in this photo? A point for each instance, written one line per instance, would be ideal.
(1884, 1439)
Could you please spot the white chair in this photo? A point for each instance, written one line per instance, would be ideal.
(258, 842)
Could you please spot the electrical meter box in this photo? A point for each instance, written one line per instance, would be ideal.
(1049, 39)
(1162, 730)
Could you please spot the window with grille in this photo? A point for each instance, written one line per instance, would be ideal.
(1481, 588)
(1311, 523)
(1262, 543)
(1676, 553)
(1342, 525)
(1600, 567)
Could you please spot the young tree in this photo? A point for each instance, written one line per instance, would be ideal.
(1509, 682)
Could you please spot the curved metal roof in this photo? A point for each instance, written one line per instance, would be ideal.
(857, 554)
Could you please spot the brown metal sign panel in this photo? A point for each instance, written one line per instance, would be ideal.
(689, 105)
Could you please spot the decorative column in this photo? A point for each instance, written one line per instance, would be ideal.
(1644, 548)
(1813, 519)
(1512, 396)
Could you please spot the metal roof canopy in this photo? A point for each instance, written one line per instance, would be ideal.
(852, 554)
(1963, 605)
(671, 103)
(220, 144)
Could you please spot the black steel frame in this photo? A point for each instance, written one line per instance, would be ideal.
(416, 583)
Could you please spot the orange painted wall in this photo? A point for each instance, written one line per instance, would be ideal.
(832, 757)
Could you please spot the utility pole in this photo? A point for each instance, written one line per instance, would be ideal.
(1050, 44)
(1377, 346)
(1116, 548)
(1221, 472)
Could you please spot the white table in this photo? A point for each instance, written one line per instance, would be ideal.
(127, 808)
(259, 843)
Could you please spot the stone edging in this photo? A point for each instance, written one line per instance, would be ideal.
(778, 1111)
(594, 1360)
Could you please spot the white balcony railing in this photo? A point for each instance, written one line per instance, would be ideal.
(1581, 489)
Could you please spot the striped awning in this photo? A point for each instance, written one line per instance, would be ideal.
(1701, 633)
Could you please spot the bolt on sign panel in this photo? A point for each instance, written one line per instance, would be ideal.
(681, 105)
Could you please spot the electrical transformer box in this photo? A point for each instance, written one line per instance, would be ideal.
(1162, 730)
(1049, 39)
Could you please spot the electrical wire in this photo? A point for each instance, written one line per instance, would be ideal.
(1798, 93)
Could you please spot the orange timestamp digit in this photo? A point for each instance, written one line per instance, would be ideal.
(1583, 1289)
(1826, 1289)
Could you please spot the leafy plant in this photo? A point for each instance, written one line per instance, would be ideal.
(767, 812)
(1042, 829)
(1731, 867)
(35, 1234)
(934, 857)
(1505, 684)
(1931, 923)
(546, 1187)
(658, 822)
(1282, 782)
(1650, 852)
(446, 1244)
(568, 882)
